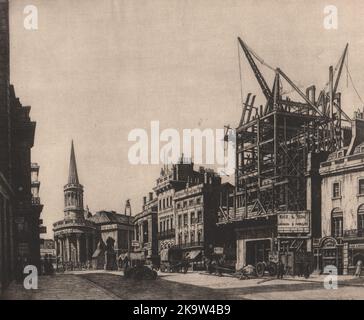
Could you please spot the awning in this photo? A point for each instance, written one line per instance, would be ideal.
(193, 255)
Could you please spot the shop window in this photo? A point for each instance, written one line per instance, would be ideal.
(337, 223)
(361, 187)
(336, 190)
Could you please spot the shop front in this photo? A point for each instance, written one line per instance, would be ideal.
(329, 251)
(353, 249)
(255, 241)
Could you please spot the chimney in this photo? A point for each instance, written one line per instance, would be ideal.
(150, 196)
(144, 200)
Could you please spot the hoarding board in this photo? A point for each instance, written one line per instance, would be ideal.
(294, 222)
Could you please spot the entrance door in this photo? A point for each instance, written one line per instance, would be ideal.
(257, 251)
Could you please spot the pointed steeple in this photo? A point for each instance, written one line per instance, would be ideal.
(73, 176)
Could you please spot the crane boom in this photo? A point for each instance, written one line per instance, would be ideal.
(340, 68)
(263, 85)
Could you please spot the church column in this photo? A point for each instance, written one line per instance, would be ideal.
(56, 246)
(60, 246)
(87, 247)
(68, 249)
(78, 249)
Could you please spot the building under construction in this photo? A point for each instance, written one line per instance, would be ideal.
(279, 147)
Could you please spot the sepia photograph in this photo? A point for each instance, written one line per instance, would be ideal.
(196, 152)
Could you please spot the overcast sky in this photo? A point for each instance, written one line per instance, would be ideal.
(96, 69)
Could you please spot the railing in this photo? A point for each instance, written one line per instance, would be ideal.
(354, 233)
(166, 234)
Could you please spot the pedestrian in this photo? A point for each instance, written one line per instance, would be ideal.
(281, 269)
(358, 269)
(126, 262)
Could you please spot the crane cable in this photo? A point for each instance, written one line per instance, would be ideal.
(348, 74)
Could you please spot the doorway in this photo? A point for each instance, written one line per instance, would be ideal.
(257, 251)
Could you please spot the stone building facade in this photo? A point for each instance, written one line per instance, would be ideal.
(171, 180)
(146, 228)
(342, 209)
(196, 216)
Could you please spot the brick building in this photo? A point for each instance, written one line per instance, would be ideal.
(19, 217)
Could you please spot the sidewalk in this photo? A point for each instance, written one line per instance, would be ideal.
(59, 287)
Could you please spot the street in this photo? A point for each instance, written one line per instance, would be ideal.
(193, 285)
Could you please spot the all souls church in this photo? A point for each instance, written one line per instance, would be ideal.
(82, 237)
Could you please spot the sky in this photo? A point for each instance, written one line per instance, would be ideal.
(96, 69)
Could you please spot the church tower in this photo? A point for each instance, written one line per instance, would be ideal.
(73, 192)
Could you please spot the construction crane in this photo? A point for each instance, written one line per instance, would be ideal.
(263, 84)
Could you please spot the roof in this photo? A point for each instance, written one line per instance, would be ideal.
(106, 217)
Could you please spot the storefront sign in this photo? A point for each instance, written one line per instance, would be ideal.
(294, 222)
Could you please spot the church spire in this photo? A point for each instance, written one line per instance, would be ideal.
(73, 191)
(73, 176)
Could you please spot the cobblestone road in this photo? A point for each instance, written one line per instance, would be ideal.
(111, 285)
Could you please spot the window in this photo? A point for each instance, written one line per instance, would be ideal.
(198, 200)
(168, 224)
(361, 186)
(199, 216)
(172, 223)
(199, 236)
(361, 217)
(178, 205)
(184, 204)
(160, 226)
(337, 223)
(336, 192)
(186, 237)
(192, 217)
(190, 203)
(185, 219)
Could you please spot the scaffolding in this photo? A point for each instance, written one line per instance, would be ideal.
(274, 140)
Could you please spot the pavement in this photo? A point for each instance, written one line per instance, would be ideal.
(102, 285)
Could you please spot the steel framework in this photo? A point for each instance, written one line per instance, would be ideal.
(274, 140)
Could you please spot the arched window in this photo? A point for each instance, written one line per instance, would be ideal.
(337, 223)
(361, 217)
